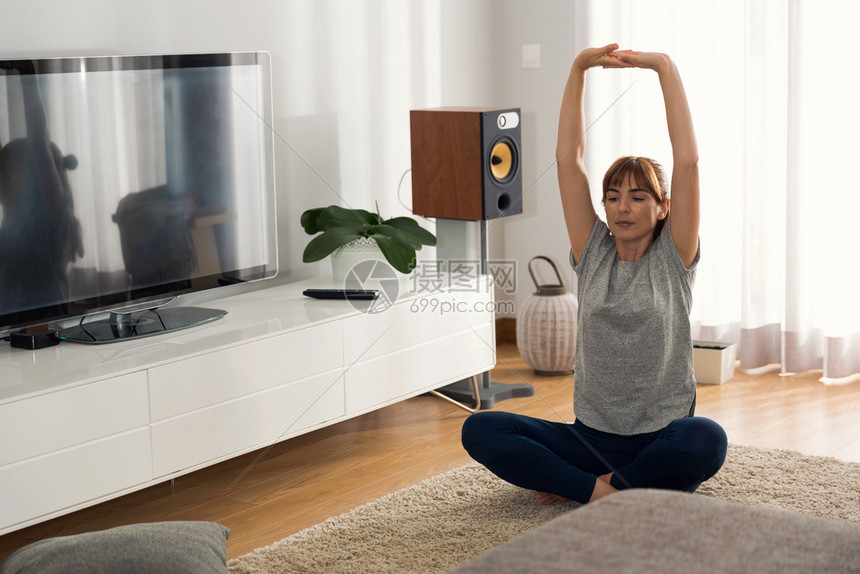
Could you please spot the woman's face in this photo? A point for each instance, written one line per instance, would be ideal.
(631, 211)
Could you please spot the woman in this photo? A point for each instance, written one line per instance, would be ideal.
(634, 390)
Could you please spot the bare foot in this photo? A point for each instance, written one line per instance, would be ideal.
(549, 498)
(602, 487)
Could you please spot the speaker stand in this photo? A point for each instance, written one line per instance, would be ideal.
(459, 243)
(489, 392)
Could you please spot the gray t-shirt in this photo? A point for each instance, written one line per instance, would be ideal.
(634, 354)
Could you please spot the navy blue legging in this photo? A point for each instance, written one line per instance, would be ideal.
(566, 459)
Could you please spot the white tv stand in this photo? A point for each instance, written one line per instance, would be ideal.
(81, 424)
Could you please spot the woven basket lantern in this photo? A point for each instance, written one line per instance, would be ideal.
(546, 327)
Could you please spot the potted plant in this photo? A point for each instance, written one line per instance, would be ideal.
(398, 238)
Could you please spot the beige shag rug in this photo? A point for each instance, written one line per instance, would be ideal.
(445, 521)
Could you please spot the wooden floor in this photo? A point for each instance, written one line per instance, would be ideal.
(309, 478)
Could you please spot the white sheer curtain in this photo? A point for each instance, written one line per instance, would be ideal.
(344, 136)
(100, 120)
(772, 92)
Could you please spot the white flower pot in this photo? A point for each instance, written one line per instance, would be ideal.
(352, 254)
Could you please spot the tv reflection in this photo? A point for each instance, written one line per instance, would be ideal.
(163, 235)
(39, 232)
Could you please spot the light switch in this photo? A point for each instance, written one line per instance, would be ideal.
(531, 56)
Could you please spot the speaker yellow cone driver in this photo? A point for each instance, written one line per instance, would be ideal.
(501, 161)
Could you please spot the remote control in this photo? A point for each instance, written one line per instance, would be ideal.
(362, 294)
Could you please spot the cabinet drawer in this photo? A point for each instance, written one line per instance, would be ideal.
(414, 322)
(74, 476)
(418, 369)
(226, 430)
(231, 373)
(53, 421)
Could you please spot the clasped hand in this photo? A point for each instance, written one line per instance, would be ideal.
(610, 56)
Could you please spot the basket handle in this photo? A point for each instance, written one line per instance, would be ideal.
(554, 268)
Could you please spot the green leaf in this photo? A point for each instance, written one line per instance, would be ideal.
(323, 245)
(309, 220)
(401, 237)
(400, 257)
(335, 216)
(409, 225)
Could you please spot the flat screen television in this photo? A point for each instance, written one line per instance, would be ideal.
(127, 181)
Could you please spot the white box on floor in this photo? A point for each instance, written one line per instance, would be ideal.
(714, 361)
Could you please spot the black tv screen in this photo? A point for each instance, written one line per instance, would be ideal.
(132, 178)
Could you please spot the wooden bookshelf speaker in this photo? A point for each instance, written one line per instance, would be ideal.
(466, 163)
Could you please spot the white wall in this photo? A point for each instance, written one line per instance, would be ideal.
(540, 230)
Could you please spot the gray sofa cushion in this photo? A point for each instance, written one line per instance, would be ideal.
(662, 531)
(157, 547)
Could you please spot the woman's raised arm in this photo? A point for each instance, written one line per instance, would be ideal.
(684, 214)
(579, 214)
